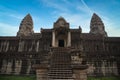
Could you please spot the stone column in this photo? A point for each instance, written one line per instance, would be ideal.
(29, 67)
(53, 39)
(115, 69)
(37, 47)
(18, 64)
(103, 68)
(69, 39)
(9, 67)
(7, 46)
(4, 67)
(21, 46)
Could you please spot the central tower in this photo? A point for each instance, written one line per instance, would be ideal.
(61, 36)
(65, 60)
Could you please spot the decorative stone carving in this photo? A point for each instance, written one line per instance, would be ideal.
(61, 33)
(61, 23)
(97, 26)
(70, 51)
(26, 27)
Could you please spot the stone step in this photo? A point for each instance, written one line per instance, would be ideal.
(60, 77)
(64, 61)
(60, 70)
(60, 65)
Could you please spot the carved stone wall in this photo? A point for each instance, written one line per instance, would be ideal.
(18, 54)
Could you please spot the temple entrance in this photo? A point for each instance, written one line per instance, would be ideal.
(61, 43)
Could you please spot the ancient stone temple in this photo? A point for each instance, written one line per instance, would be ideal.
(60, 53)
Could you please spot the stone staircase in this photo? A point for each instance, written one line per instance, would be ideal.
(60, 65)
(41, 75)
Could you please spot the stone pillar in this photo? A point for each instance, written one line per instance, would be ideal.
(80, 74)
(115, 69)
(37, 46)
(29, 67)
(53, 39)
(4, 67)
(9, 67)
(69, 39)
(103, 68)
(18, 64)
(7, 46)
(21, 46)
(41, 74)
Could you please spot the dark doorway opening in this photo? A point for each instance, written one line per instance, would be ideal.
(61, 43)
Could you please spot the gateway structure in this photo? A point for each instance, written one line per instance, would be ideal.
(60, 52)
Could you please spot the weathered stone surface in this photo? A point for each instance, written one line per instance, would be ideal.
(97, 26)
(61, 23)
(18, 64)
(41, 74)
(18, 55)
(80, 74)
(26, 27)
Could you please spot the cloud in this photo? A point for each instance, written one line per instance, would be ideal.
(110, 27)
(54, 4)
(77, 20)
(10, 13)
(112, 30)
(17, 16)
(76, 12)
(9, 18)
(68, 6)
(7, 29)
(67, 2)
(86, 7)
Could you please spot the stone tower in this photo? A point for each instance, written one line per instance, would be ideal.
(26, 26)
(61, 34)
(97, 26)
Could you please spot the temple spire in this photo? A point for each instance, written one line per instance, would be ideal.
(26, 26)
(97, 26)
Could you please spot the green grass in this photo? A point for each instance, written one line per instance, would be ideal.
(103, 78)
(13, 77)
(7, 77)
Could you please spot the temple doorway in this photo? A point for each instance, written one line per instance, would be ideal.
(61, 43)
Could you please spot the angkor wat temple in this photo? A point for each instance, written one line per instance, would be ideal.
(60, 52)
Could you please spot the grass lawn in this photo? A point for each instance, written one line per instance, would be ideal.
(12, 77)
(103, 78)
(7, 77)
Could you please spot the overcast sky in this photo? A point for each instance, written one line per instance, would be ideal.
(46, 12)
